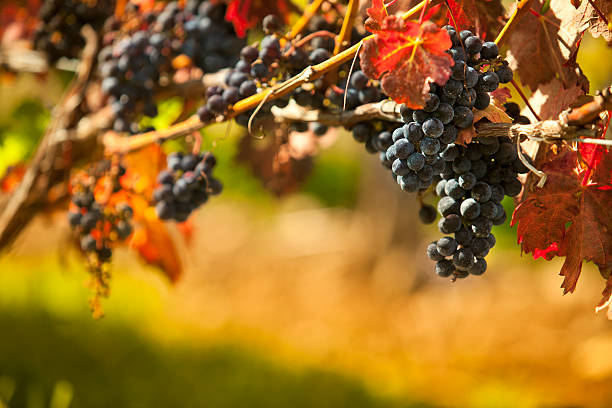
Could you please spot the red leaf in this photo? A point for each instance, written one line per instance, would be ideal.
(565, 218)
(12, 178)
(151, 238)
(482, 17)
(377, 14)
(406, 57)
(500, 96)
(606, 300)
(244, 14)
(544, 48)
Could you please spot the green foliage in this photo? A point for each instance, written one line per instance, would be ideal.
(20, 132)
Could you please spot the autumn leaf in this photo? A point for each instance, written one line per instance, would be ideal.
(587, 15)
(500, 96)
(566, 218)
(12, 178)
(482, 17)
(542, 48)
(274, 164)
(244, 14)
(606, 300)
(406, 57)
(552, 98)
(151, 238)
(376, 15)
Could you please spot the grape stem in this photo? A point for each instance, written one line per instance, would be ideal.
(344, 38)
(309, 13)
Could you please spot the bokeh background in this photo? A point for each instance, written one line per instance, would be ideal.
(322, 299)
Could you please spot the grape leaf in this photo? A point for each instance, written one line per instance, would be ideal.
(566, 218)
(482, 17)
(606, 300)
(151, 238)
(553, 98)
(12, 177)
(244, 14)
(406, 57)
(500, 96)
(587, 15)
(544, 48)
(275, 164)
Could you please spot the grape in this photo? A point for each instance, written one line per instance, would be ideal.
(513, 188)
(481, 192)
(458, 71)
(444, 268)
(432, 102)
(413, 132)
(271, 23)
(471, 77)
(463, 117)
(473, 45)
(481, 227)
(445, 113)
(432, 252)
(415, 161)
(478, 268)
(470, 209)
(433, 128)
(463, 259)
(403, 148)
(489, 50)
(427, 214)
(449, 135)
(426, 174)
(461, 165)
(447, 206)
(440, 188)
(464, 236)
(400, 167)
(398, 134)
(446, 246)
(489, 210)
(406, 113)
(467, 181)
(487, 82)
(430, 146)
(504, 74)
(482, 100)
(362, 132)
(453, 88)
(449, 224)
(359, 80)
(497, 193)
(453, 189)
(409, 182)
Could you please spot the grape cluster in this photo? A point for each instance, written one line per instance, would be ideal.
(59, 31)
(473, 183)
(99, 224)
(185, 185)
(132, 65)
(415, 156)
(256, 68)
(267, 63)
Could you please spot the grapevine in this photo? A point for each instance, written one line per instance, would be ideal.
(425, 90)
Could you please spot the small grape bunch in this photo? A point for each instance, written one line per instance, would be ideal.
(99, 225)
(185, 185)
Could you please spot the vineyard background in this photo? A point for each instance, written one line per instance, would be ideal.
(324, 298)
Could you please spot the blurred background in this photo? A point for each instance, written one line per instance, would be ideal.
(322, 299)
